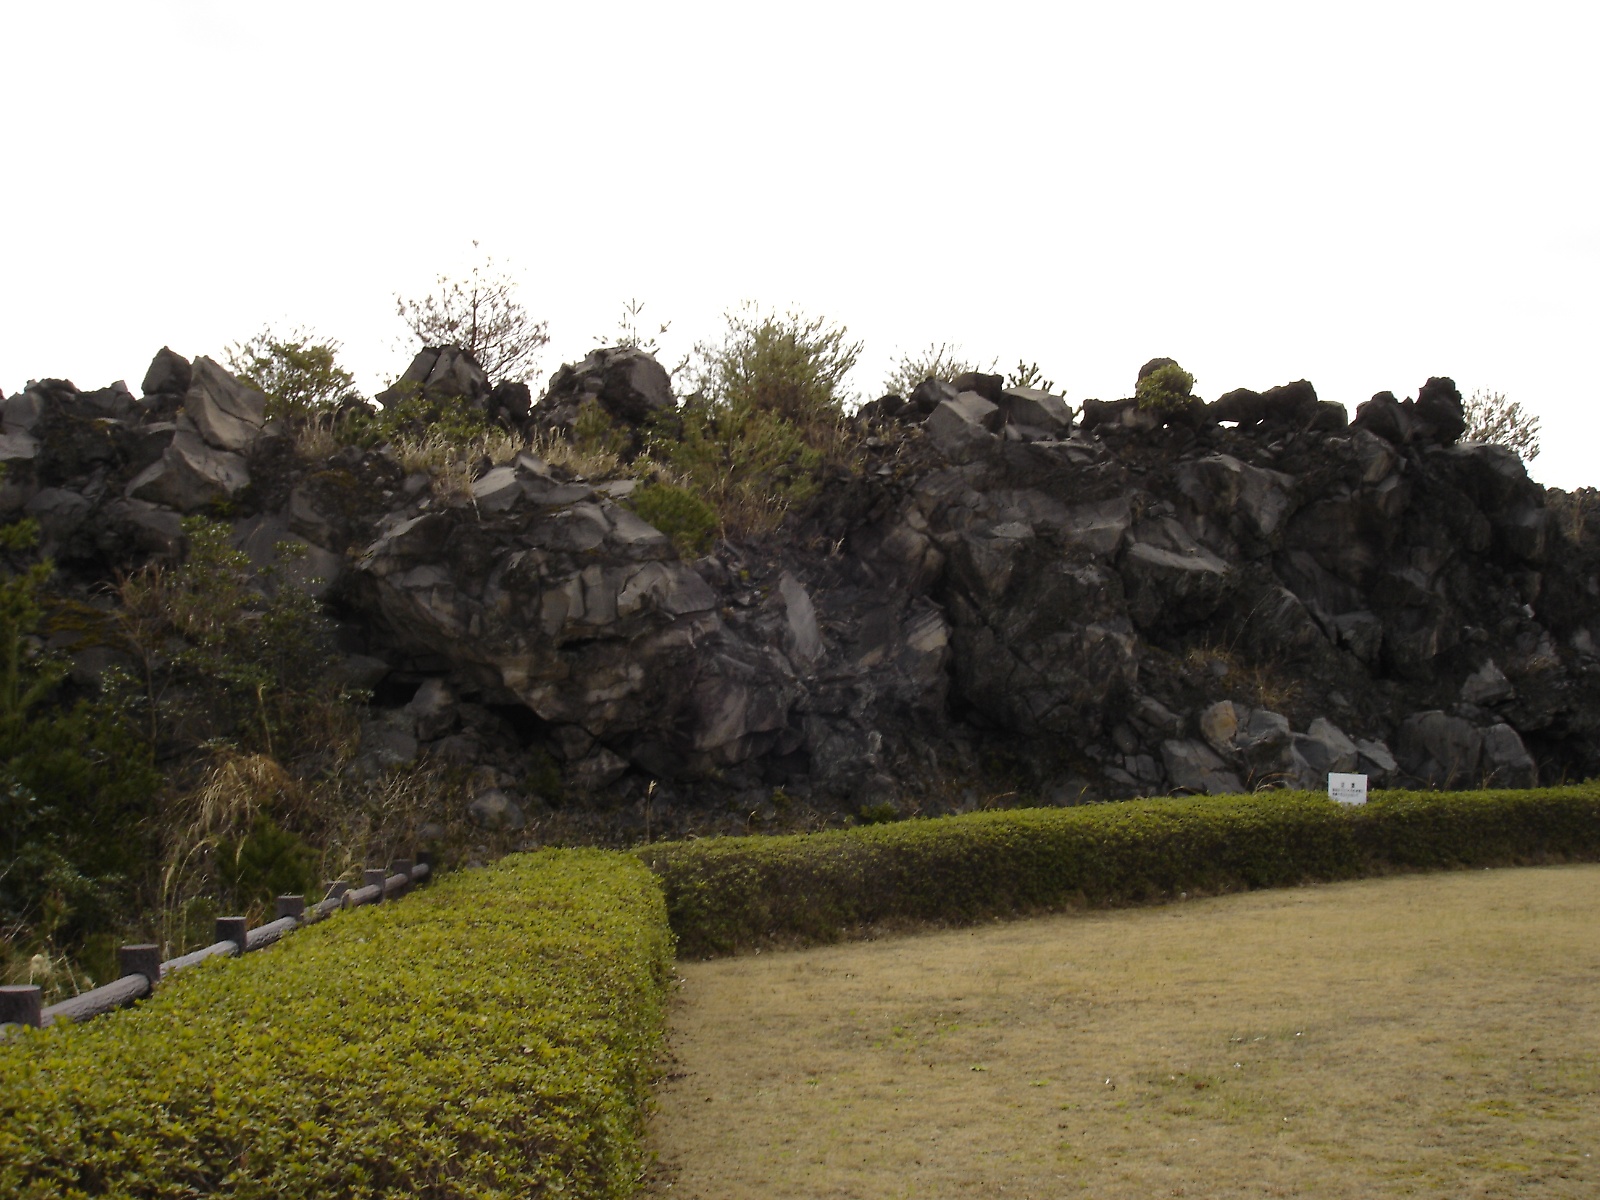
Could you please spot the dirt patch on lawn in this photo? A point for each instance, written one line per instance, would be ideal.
(1426, 1036)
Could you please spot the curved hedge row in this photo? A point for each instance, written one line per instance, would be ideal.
(494, 1035)
(724, 894)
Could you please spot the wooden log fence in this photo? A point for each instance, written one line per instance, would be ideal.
(142, 968)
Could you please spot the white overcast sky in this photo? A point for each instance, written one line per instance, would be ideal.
(1358, 194)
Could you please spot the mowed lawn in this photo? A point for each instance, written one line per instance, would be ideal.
(1431, 1035)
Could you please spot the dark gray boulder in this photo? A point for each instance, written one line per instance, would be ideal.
(965, 426)
(628, 383)
(440, 374)
(1507, 763)
(169, 374)
(1438, 750)
(990, 387)
(1195, 767)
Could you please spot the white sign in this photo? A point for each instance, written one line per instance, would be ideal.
(1347, 789)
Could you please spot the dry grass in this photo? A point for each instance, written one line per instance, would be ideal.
(587, 458)
(351, 824)
(1259, 685)
(450, 462)
(1422, 1036)
(315, 438)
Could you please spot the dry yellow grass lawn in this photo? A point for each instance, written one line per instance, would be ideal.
(1418, 1036)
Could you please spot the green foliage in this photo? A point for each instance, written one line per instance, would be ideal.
(750, 464)
(482, 315)
(230, 653)
(75, 782)
(724, 894)
(1028, 375)
(299, 373)
(595, 431)
(493, 1035)
(689, 521)
(791, 366)
(1494, 419)
(1165, 389)
(445, 421)
(768, 414)
(265, 863)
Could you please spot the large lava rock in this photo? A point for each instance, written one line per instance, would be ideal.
(440, 374)
(628, 383)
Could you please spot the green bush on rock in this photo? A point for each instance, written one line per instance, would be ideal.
(494, 1035)
(689, 521)
(1166, 387)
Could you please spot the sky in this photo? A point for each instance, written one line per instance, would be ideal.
(1363, 195)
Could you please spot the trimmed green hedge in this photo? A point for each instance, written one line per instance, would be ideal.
(493, 1035)
(725, 894)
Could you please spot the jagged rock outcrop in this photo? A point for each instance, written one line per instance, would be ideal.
(440, 373)
(1255, 596)
(627, 383)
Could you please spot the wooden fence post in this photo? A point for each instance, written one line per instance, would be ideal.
(143, 959)
(401, 866)
(375, 875)
(22, 1005)
(291, 906)
(232, 929)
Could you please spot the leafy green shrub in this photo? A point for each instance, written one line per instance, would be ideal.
(413, 419)
(266, 862)
(750, 465)
(880, 813)
(494, 1035)
(1165, 389)
(1028, 375)
(792, 366)
(689, 521)
(724, 894)
(76, 782)
(230, 652)
(298, 372)
(595, 431)
(768, 413)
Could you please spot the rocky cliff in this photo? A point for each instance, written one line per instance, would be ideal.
(1003, 598)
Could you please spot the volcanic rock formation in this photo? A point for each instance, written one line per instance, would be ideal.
(1221, 597)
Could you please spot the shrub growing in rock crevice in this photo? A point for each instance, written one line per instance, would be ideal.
(228, 654)
(767, 416)
(1163, 386)
(689, 521)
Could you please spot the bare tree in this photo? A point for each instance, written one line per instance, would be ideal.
(1493, 418)
(483, 316)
